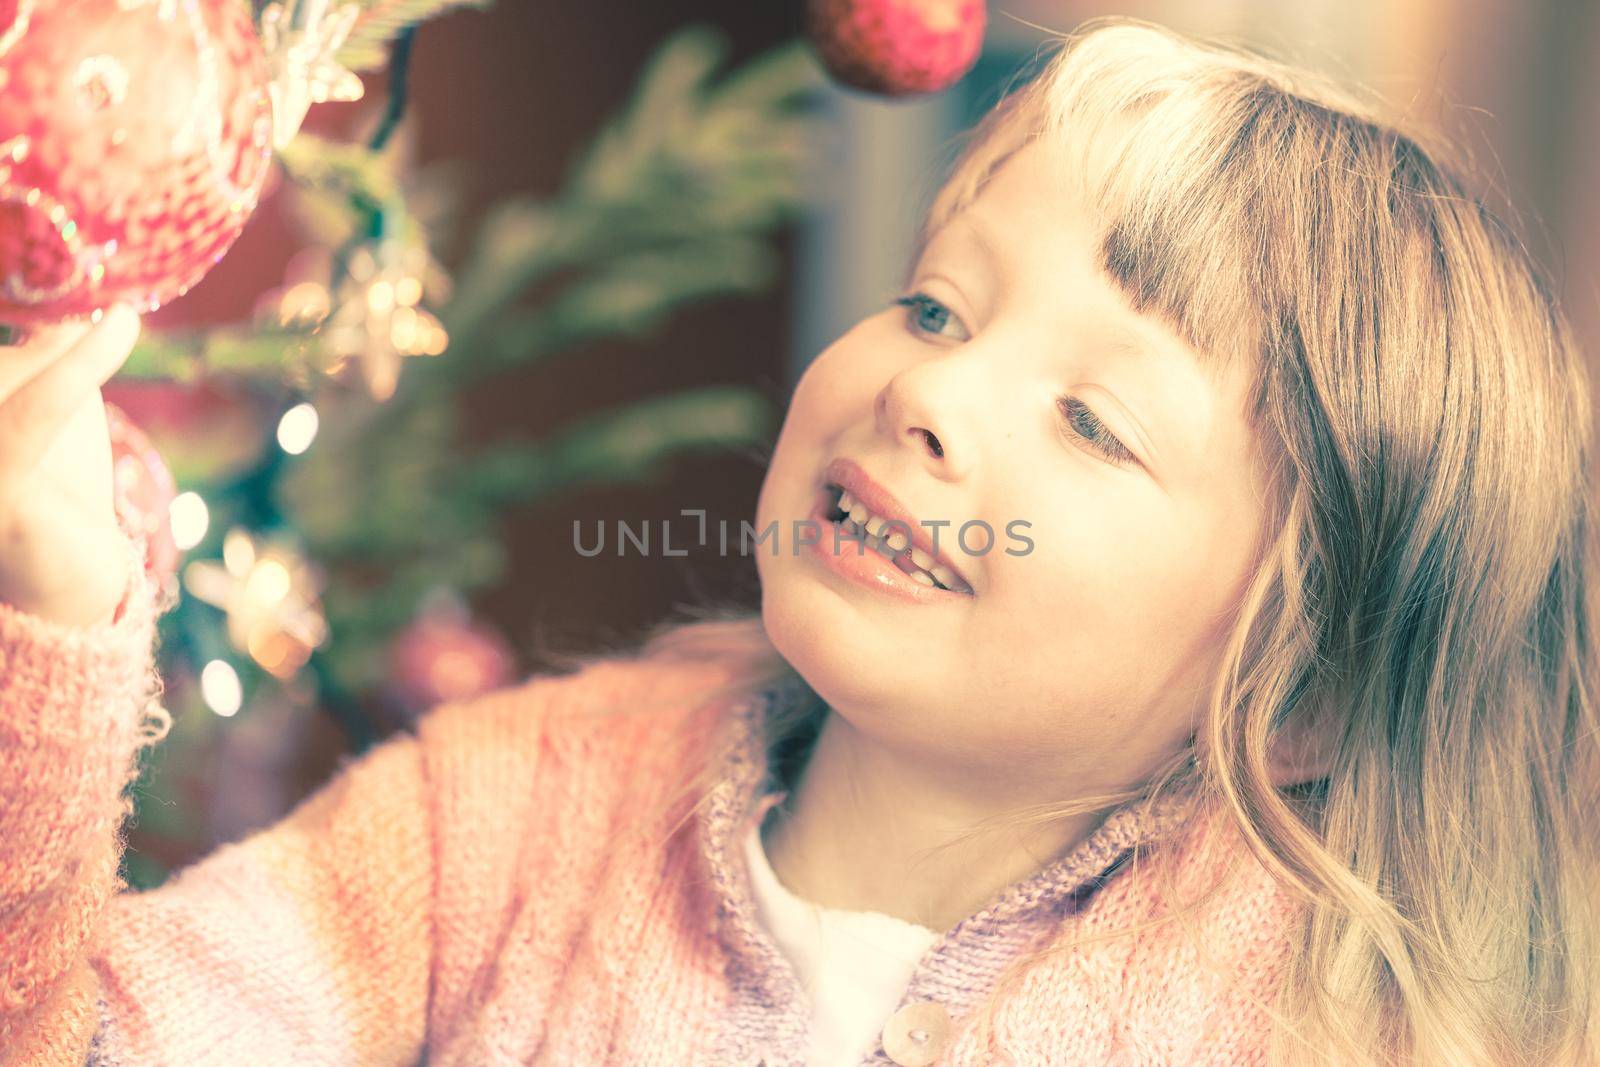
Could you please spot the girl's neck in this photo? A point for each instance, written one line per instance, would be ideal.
(862, 826)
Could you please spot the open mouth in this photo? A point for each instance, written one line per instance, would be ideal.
(856, 520)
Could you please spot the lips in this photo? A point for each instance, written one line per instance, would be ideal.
(851, 477)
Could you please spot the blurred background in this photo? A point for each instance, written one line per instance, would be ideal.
(633, 224)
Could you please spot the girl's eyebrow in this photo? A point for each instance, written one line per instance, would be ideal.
(1124, 339)
(976, 233)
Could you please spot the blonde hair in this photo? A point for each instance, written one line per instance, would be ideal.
(1424, 599)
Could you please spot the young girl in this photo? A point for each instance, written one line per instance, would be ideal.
(1259, 728)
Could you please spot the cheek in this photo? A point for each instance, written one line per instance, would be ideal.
(847, 375)
(1117, 597)
(837, 389)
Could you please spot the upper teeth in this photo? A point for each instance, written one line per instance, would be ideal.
(928, 572)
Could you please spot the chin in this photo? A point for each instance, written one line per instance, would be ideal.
(838, 655)
(802, 618)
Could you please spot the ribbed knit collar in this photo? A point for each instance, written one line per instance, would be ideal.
(770, 1014)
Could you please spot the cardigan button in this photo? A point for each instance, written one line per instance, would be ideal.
(915, 1035)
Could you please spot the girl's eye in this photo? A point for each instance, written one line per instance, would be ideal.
(1086, 424)
(926, 314)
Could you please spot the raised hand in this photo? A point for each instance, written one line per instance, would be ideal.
(62, 554)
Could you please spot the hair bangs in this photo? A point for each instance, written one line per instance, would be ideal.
(1168, 158)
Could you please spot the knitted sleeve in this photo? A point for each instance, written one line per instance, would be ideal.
(309, 942)
(76, 704)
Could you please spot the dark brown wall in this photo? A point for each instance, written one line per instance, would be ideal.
(522, 88)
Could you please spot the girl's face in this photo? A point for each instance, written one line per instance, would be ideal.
(1121, 486)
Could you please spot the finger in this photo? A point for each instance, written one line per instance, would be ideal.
(20, 362)
(32, 416)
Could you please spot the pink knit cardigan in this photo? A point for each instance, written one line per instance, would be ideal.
(460, 895)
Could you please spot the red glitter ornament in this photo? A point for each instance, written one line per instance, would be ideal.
(897, 47)
(135, 136)
(144, 490)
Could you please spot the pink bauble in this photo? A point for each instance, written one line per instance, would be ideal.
(135, 136)
(209, 429)
(144, 489)
(439, 658)
(897, 47)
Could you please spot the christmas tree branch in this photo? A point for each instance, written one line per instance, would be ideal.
(687, 173)
(621, 446)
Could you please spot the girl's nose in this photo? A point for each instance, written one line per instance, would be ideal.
(909, 414)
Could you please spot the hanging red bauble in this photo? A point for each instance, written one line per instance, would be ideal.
(443, 655)
(897, 47)
(144, 490)
(135, 136)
